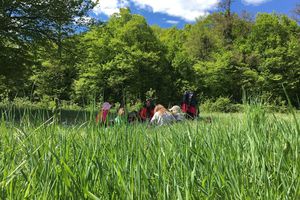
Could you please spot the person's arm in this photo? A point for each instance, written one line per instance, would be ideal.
(184, 107)
(152, 112)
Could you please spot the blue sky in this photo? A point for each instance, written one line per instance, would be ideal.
(168, 13)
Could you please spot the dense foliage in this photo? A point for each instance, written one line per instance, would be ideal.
(45, 56)
(27, 29)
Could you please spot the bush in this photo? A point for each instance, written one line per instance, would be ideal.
(269, 102)
(222, 104)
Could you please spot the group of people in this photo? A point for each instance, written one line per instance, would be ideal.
(154, 114)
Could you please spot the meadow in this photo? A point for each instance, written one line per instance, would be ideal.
(251, 155)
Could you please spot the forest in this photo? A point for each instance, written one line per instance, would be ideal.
(51, 50)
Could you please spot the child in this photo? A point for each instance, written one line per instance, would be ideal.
(121, 115)
(133, 117)
(103, 114)
(177, 113)
(147, 111)
(162, 116)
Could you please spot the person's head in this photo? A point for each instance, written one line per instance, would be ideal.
(121, 111)
(160, 109)
(191, 96)
(106, 106)
(175, 110)
(148, 103)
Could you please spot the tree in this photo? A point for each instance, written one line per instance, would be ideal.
(225, 6)
(123, 55)
(200, 43)
(53, 75)
(275, 39)
(27, 20)
(297, 13)
(179, 64)
(28, 23)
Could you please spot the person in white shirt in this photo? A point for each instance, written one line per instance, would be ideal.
(162, 116)
(177, 113)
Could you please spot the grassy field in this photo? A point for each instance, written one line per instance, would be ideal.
(221, 156)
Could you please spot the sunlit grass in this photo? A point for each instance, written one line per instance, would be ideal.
(222, 156)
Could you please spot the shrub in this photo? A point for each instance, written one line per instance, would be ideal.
(222, 104)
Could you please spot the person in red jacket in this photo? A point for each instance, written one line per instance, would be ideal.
(189, 105)
(147, 112)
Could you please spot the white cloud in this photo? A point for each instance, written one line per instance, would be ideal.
(109, 7)
(172, 22)
(188, 10)
(254, 2)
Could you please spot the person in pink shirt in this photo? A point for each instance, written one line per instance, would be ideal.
(102, 115)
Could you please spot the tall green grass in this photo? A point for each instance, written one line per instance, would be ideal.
(232, 156)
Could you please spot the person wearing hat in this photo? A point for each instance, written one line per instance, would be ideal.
(102, 115)
(177, 113)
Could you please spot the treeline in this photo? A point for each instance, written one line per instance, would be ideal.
(221, 55)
